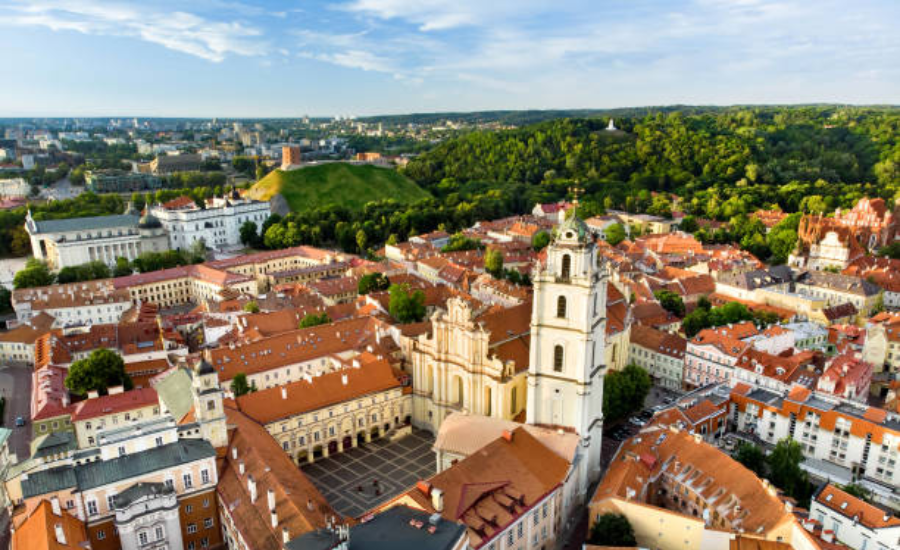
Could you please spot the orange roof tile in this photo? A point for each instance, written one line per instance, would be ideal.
(38, 531)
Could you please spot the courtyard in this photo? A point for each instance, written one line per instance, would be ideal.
(363, 477)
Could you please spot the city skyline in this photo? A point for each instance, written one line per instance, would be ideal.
(279, 58)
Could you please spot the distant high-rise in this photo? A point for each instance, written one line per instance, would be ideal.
(290, 155)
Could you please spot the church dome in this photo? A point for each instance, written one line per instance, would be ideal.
(149, 221)
(573, 228)
(203, 367)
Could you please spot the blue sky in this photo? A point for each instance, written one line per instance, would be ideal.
(359, 57)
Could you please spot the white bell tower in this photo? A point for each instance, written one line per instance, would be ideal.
(568, 332)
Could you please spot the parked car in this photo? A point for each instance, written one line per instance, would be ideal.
(20, 421)
(636, 421)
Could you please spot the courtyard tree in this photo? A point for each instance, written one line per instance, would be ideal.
(612, 530)
(100, 370)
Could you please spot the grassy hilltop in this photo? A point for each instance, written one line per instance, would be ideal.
(349, 185)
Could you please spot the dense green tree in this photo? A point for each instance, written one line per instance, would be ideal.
(251, 307)
(36, 273)
(239, 385)
(493, 262)
(249, 235)
(614, 234)
(540, 240)
(85, 272)
(5, 300)
(100, 370)
(406, 306)
(373, 282)
(458, 241)
(752, 457)
(123, 267)
(612, 530)
(786, 473)
(624, 392)
(314, 319)
(670, 301)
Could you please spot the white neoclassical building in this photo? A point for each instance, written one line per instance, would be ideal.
(76, 241)
(568, 332)
(217, 223)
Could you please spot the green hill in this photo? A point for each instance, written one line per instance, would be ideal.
(349, 185)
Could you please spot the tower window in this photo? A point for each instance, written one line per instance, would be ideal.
(558, 358)
(566, 266)
(561, 307)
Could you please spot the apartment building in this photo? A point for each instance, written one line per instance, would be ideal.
(182, 285)
(660, 353)
(129, 474)
(841, 440)
(89, 302)
(711, 356)
(853, 521)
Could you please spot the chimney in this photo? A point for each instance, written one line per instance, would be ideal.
(54, 505)
(344, 379)
(809, 525)
(115, 390)
(285, 535)
(274, 515)
(437, 499)
(309, 504)
(424, 487)
(283, 392)
(93, 394)
(508, 435)
(828, 535)
(251, 486)
(241, 467)
(60, 534)
(271, 498)
(234, 453)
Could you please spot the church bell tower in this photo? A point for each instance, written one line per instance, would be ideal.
(568, 331)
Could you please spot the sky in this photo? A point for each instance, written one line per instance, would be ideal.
(289, 58)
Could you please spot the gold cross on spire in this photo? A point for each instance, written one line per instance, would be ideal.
(576, 192)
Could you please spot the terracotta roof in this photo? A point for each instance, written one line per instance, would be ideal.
(27, 333)
(505, 470)
(93, 293)
(115, 403)
(712, 474)
(723, 342)
(857, 509)
(293, 347)
(658, 341)
(701, 410)
(464, 434)
(300, 507)
(178, 203)
(38, 531)
(372, 376)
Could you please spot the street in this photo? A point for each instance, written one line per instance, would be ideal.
(15, 386)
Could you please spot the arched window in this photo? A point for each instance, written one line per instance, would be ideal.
(558, 358)
(566, 266)
(561, 307)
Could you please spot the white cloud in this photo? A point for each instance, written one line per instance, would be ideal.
(174, 29)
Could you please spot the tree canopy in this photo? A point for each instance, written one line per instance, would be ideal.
(314, 319)
(102, 369)
(372, 282)
(612, 530)
(624, 392)
(406, 306)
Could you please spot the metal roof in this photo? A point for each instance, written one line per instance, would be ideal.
(85, 224)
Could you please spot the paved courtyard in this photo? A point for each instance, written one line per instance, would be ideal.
(347, 480)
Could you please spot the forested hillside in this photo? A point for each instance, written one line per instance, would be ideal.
(721, 164)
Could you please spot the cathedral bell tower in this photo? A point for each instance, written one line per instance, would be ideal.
(568, 332)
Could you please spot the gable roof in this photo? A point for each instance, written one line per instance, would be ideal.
(38, 531)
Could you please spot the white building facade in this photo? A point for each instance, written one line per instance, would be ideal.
(568, 332)
(218, 224)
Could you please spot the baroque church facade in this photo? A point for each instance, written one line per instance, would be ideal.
(542, 362)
